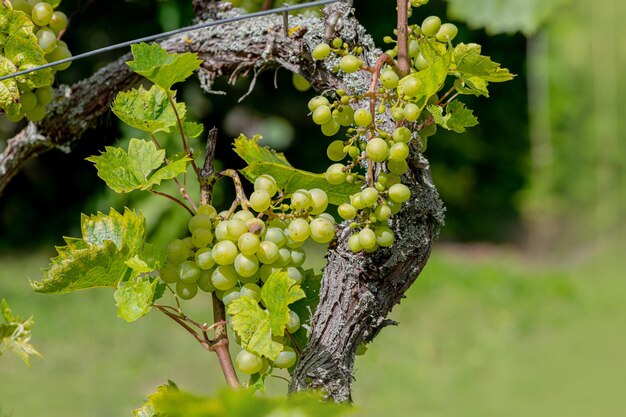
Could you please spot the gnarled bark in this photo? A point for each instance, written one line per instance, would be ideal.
(358, 290)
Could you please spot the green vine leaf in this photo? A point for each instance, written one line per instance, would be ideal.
(99, 258)
(134, 298)
(160, 67)
(250, 151)
(127, 171)
(457, 117)
(470, 64)
(292, 179)
(192, 129)
(147, 409)
(148, 110)
(305, 307)
(255, 326)
(15, 334)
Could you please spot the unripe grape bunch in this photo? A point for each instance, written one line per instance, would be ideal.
(42, 30)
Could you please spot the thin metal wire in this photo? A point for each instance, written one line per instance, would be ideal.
(204, 25)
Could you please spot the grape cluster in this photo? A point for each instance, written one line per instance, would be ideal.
(49, 28)
(367, 143)
(233, 254)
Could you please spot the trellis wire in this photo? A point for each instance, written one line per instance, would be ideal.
(284, 10)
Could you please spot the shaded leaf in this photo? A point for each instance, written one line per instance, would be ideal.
(192, 129)
(134, 298)
(147, 409)
(160, 67)
(250, 151)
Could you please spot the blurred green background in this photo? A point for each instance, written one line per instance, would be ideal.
(519, 311)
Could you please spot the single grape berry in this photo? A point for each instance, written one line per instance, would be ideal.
(411, 112)
(430, 26)
(350, 64)
(267, 252)
(367, 238)
(186, 291)
(321, 51)
(300, 83)
(369, 196)
(447, 32)
(399, 193)
(331, 127)
(317, 101)
(248, 363)
(246, 265)
(294, 322)
(267, 183)
(224, 253)
(200, 221)
(346, 211)
(58, 22)
(224, 277)
(362, 117)
(335, 174)
(377, 150)
(260, 201)
(319, 200)
(251, 290)
(399, 151)
(322, 114)
(354, 244)
(421, 63)
(42, 14)
(204, 258)
(248, 243)
(286, 358)
(411, 86)
(389, 79)
(299, 230)
(335, 151)
(322, 230)
(46, 39)
(397, 167)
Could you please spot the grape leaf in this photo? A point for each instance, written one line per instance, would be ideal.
(99, 259)
(255, 326)
(147, 409)
(148, 110)
(124, 172)
(250, 151)
(457, 117)
(160, 67)
(278, 292)
(292, 179)
(134, 298)
(470, 64)
(305, 307)
(246, 403)
(192, 129)
(505, 16)
(15, 334)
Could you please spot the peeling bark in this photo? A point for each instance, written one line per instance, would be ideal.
(358, 291)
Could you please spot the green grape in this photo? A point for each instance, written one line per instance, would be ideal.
(428, 130)
(344, 116)
(414, 48)
(267, 252)
(29, 101)
(335, 174)
(224, 277)
(256, 226)
(44, 95)
(251, 290)
(319, 200)
(328, 217)
(430, 26)
(260, 201)
(354, 152)
(335, 151)
(397, 167)
(294, 322)
(207, 210)
(186, 291)
(361, 350)
(169, 273)
(377, 149)
(321, 51)
(276, 235)
(38, 113)
(286, 359)
(266, 270)
(367, 238)
(387, 179)
(15, 118)
(267, 183)
(447, 32)
(248, 363)
(248, 243)
(177, 251)
(301, 200)
(357, 202)
(389, 79)
(57, 54)
(201, 238)
(22, 6)
(46, 39)
(369, 196)
(224, 253)
(221, 230)
(246, 265)
(290, 243)
(187, 241)
(284, 258)
(354, 244)
(397, 114)
(411, 86)
(204, 282)
(322, 230)
(395, 207)
(421, 63)
(318, 101)
(384, 236)
(331, 127)
(42, 14)
(295, 274)
(411, 112)
(58, 22)
(298, 256)
(204, 258)
(188, 272)
(337, 42)
(362, 117)
(249, 280)
(322, 114)
(399, 193)
(382, 212)
(243, 215)
(402, 134)
(300, 83)
(346, 211)
(399, 151)
(235, 228)
(231, 295)
(349, 64)
(299, 230)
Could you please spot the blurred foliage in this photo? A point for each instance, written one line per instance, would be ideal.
(479, 173)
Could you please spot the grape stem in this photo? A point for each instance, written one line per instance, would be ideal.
(182, 133)
(174, 199)
(241, 196)
(403, 38)
(293, 342)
